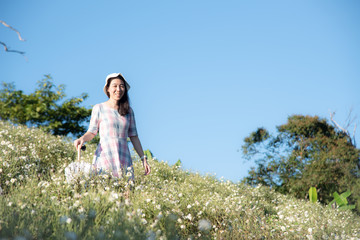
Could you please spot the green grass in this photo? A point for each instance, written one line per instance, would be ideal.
(170, 203)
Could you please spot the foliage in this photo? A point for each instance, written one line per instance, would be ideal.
(170, 203)
(306, 151)
(42, 108)
(341, 201)
(28, 153)
(313, 195)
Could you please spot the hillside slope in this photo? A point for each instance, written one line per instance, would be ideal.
(38, 203)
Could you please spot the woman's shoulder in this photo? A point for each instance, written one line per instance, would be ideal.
(98, 106)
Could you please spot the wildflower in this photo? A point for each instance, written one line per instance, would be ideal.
(65, 219)
(204, 225)
(113, 196)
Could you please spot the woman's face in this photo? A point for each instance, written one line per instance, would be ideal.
(116, 89)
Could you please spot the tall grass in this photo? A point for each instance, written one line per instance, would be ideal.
(170, 203)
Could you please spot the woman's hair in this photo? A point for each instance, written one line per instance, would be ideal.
(124, 101)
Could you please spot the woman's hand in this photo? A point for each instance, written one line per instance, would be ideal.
(147, 167)
(78, 143)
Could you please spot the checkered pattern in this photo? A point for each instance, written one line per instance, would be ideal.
(112, 154)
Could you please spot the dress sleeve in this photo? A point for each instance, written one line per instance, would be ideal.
(95, 120)
(132, 125)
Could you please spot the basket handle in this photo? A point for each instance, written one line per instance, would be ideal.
(79, 153)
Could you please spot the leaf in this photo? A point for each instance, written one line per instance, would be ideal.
(178, 163)
(346, 194)
(313, 195)
(340, 200)
(347, 207)
(331, 203)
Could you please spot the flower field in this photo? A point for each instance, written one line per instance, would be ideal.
(37, 202)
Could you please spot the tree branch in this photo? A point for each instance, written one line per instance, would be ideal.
(18, 33)
(337, 125)
(344, 130)
(20, 38)
(8, 50)
(354, 134)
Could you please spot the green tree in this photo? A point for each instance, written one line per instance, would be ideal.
(45, 108)
(305, 152)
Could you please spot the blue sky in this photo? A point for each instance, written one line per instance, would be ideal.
(203, 74)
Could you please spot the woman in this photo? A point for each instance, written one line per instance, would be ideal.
(115, 122)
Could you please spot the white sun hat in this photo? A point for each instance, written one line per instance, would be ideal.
(115, 75)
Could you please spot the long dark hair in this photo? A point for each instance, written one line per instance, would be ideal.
(124, 102)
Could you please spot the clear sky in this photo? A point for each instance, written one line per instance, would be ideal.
(203, 74)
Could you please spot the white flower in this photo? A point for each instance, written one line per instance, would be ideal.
(113, 196)
(310, 230)
(63, 219)
(189, 206)
(69, 220)
(189, 216)
(204, 225)
(159, 216)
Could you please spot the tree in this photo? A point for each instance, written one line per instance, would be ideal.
(305, 152)
(42, 108)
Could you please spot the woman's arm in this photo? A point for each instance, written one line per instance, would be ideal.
(88, 136)
(138, 148)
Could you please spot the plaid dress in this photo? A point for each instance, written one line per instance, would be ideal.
(112, 154)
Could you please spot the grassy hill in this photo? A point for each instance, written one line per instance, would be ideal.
(38, 203)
